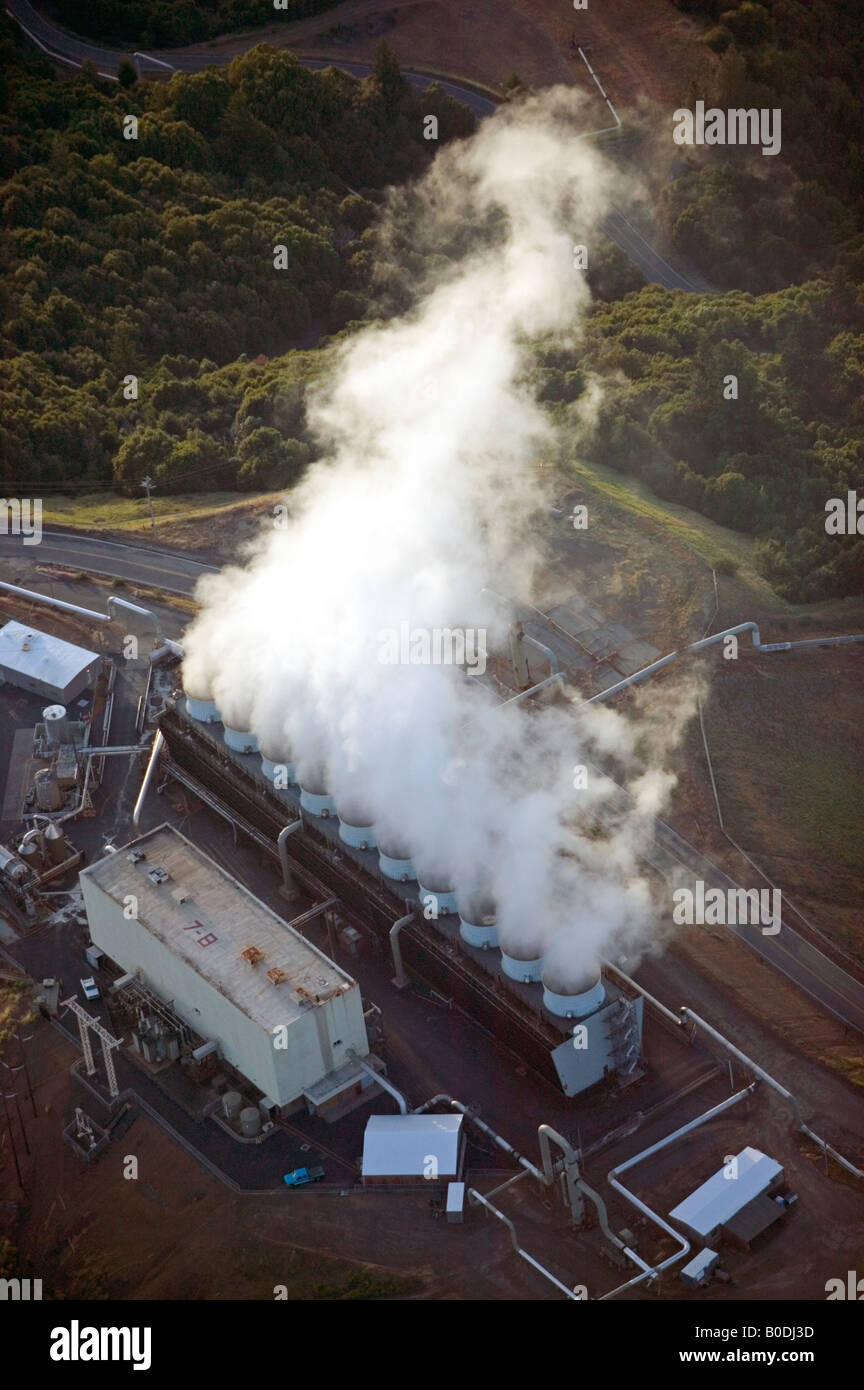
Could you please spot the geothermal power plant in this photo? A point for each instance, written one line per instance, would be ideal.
(574, 1026)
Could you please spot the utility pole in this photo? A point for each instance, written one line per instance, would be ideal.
(21, 1041)
(147, 483)
(12, 1139)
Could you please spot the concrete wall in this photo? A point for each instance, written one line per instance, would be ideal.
(318, 1039)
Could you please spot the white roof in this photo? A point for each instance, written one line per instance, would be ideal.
(402, 1145)
(718, 1199)
(42, 657)
(206, 918)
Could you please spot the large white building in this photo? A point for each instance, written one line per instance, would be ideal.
(46, 665)
(282, 1013)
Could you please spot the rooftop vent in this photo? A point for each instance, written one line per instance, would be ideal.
(135, 856)
(252, 954)
(277, 976)
(158, 876)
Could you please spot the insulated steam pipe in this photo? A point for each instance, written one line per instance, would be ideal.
(155, 750)
(557, 678)
(90, 613)
(718, 637)
(518, 637)
(496, 1138)
(474, 1196)
(287, 880)
(382, 1080)
(685, 1013)
(576, 1186)
(775, 1085)
(400, 979)
(612, 1179)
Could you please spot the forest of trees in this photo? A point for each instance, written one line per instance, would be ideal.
(764, 463)
(173, 23)
(760, 224)
(154, 258)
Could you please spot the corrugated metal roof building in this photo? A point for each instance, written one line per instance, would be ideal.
(718, 1200)
(413, 1148)
(47, 666)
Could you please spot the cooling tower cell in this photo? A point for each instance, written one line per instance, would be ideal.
(478, 923)
(200, 704)
(49, 797)
(436, 887)
(314, 796)
(240, 740)
(356, 826)
(573, 994)
(56, 725)
(275, 760)
(522, 959)
(394, 860)
(204, 711)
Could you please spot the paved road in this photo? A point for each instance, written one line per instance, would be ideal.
(65, 47)
(162, 569)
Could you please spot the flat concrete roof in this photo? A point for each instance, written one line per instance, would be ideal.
(217, 922)
(42, 657)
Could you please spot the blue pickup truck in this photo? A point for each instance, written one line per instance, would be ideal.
(300, 1176)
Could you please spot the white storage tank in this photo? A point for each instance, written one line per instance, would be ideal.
(232, 1104)
(314, 796)
(573, 993)
(356, 825)
(250, 1121)
(438, 888)
(394, 859)
(522, 957)
(275, 760)
(478, 923)
(56, 725)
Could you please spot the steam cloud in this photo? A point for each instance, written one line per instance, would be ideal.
(424, 495)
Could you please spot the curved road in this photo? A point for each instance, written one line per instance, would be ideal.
(160, 569)
(66, 48)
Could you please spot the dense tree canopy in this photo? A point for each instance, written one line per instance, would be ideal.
(173, 23)
(223, 232)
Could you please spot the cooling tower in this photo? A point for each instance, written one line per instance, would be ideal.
(573, 993)
(478, 923)
(437, 888)
(275, 760)
(314, 796)
(522, 957)
(200, 704)
(356, 825)
(394, 859)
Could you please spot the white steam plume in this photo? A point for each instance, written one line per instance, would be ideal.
(424, 496)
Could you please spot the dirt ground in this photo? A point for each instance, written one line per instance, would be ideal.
(174, 1232)
(640, 48)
